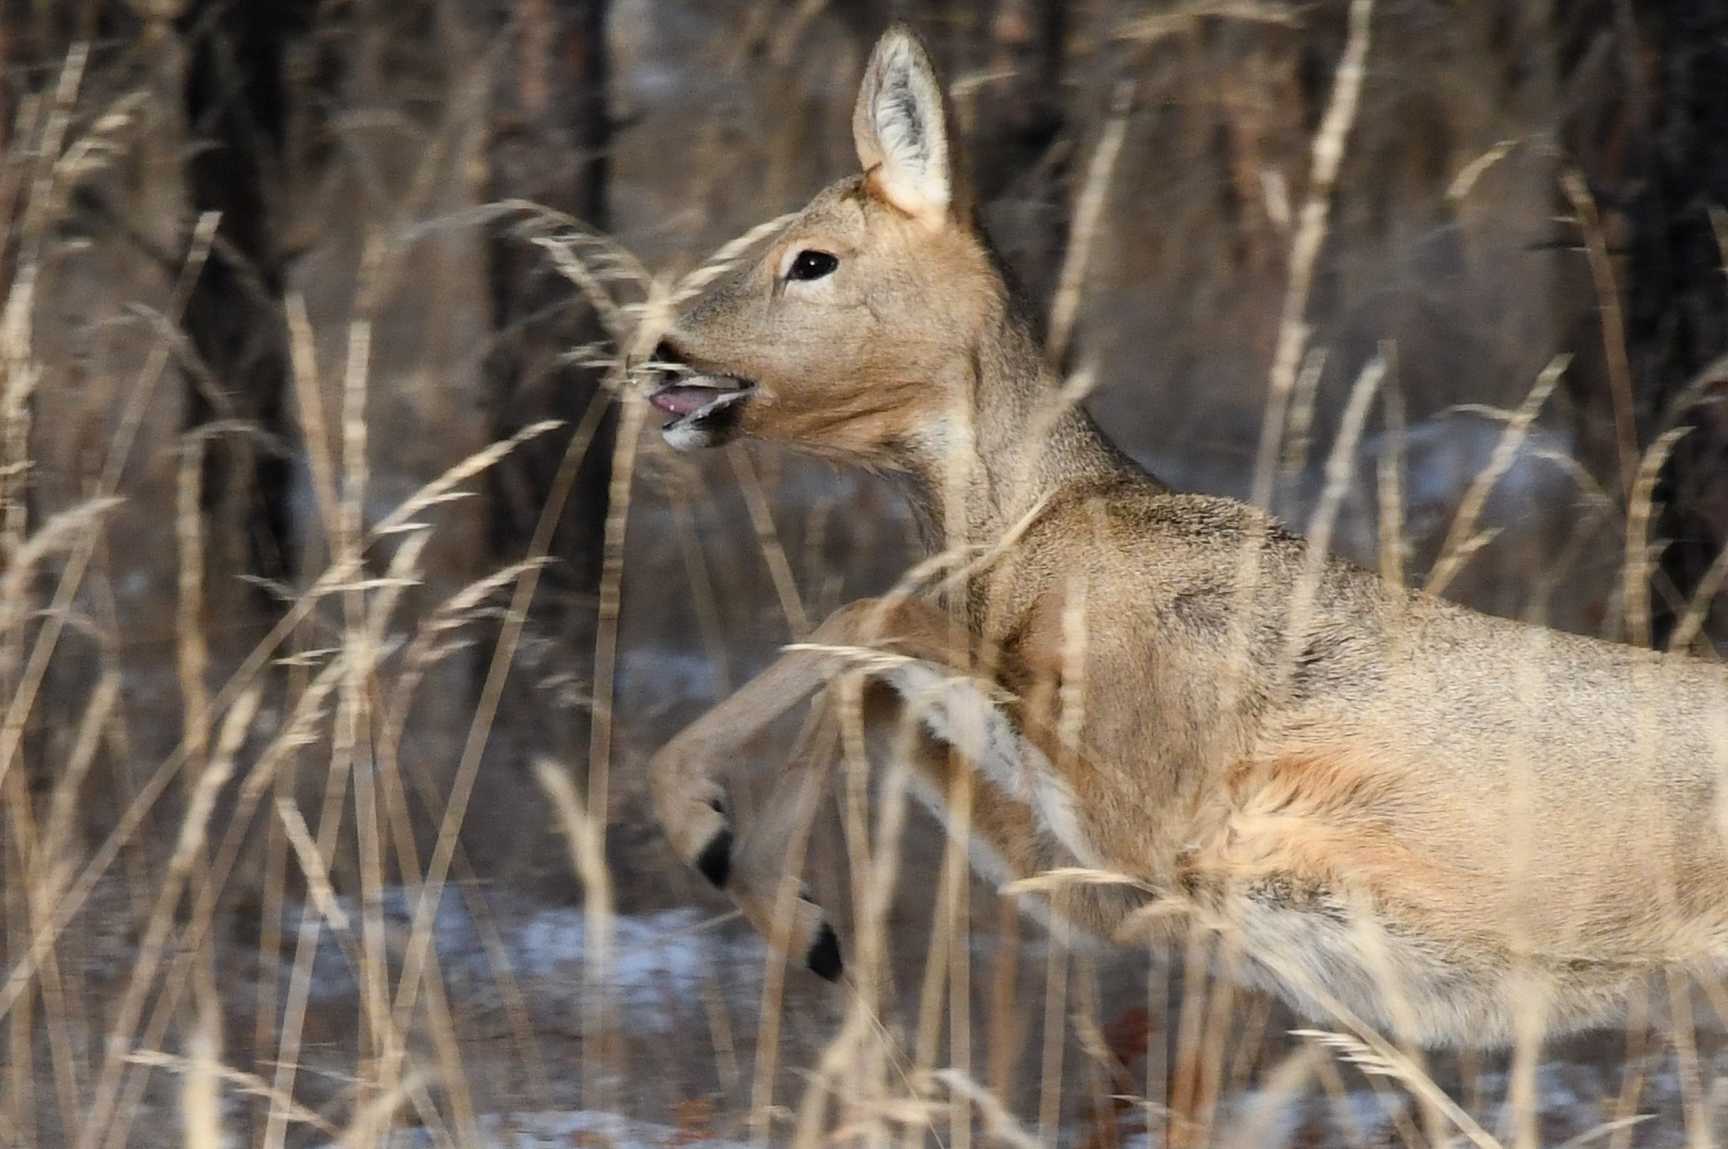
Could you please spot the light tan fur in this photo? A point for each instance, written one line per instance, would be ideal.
(1395, 806)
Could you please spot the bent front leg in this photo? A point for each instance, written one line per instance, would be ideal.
(690, 801)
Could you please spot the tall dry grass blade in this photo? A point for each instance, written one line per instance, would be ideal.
(1640, 552)
(1287, 1081)
(1471, 173)
(1691, 621)
(1000, 1127)
(145, 796)
(1696, 1102)
(201, 1084)
(1083, 232)
(1614, 345)
(1373, 1056)
(191, 649)
(1461, 537)
(587, 845)
(240, 1082)
(768, 540)
(1340, 467)
(152, 947)
(1327, 158)
(1187, 16)
(23, 698)
(1055, 1031)
(1299, 436)
(455, 809)
(1389, 490)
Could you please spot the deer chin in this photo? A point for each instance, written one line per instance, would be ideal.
(706, 410)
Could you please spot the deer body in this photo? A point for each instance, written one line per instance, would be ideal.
(1397, 809)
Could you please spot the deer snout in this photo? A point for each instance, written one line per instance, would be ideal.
(706, 407)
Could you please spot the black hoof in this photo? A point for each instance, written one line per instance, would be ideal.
(715, 861)
(824, 956)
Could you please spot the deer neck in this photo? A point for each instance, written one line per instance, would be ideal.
(1007, 442)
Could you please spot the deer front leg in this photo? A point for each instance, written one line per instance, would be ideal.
(691, 804)
(916, 706)
(687, 797)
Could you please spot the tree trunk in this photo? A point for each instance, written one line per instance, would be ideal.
(550, 132)
(237, 114)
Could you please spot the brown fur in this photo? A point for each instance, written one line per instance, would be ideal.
(1396, 807)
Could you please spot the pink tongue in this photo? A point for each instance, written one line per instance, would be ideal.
(684, 400)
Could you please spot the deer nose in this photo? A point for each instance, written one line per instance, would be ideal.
(664, 353)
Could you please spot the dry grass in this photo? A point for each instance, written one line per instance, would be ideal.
(273, 933)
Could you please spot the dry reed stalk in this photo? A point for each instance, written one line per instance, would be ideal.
(1632, 1079)
(245, 1083)
(1389, 490)
(1530, 1020)
(429, 645)
(703, 598)
(768, 539)
(1691, 622)
(491, 693)
(1471, 173)
(1461, 540)
(875, 869)
(1613, 324)
(1220, 1007)
(201, 1084)
(1326, 158)
(1696, 1103)
(1640, 551)
(352, 737)
(1083, 232)
(192, 651)
(1299, 435)
(1310, 237)
(316, 856)
(441, 1023)
(1188, 1030)
(999, 1123)
(762, 1108)
(586, 842)
(1007, 1022)
(630, 423)
(23, 698)
(1055, 1009)
(309, 397)
(372, 1121)
(1286, 1081)
(152, 946)
(1184, 17)
(933, 983)
(132, 817)
(720, 1036)
(956, 871)
(1340, 467)
(1105, 1076)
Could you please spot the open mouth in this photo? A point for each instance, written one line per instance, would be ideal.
(699, 403)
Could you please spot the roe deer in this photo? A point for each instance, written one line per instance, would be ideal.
(1398, 810)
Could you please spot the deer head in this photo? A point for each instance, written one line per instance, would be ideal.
(852, 331)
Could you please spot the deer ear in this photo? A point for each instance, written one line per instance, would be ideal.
(901, 131)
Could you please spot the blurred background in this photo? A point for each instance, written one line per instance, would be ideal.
(278, 863)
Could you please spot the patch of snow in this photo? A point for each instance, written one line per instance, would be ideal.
(529, 1130)
(655, 967)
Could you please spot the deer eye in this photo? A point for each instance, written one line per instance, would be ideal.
(812, 264)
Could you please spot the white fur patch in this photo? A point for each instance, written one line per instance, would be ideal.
(685, 436)
(986, 862)
(957, 712)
